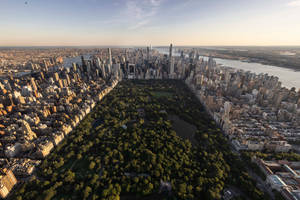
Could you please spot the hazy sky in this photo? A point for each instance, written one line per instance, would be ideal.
(144, 22)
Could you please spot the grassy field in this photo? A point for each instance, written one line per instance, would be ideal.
(159, 94)
(183, 129)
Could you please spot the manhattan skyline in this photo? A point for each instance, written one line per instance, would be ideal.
(157, 22)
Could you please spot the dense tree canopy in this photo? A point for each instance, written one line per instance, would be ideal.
(127, 146)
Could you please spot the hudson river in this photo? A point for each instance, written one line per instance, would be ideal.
(288, 77)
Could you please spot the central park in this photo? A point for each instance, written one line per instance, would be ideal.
(147, 139)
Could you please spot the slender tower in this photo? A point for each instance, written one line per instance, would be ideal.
(109, 54)
(171, 51)
(84, 66)
(148, 54)
(171, 61)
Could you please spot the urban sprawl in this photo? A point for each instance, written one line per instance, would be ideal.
(44, 95)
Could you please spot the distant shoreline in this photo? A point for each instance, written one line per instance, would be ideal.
(264, 62)
(261, 61)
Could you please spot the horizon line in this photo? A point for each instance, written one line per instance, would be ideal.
(157, 46)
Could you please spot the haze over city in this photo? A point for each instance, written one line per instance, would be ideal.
(144, 22)
(150, 99)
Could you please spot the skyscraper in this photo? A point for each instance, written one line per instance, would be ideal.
(171, 63)
(110, 59)
(171, 51)
(83, 64)
(148, 53)
(126, 55)
(116, 69)
(103, 71)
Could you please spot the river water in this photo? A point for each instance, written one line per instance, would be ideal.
(288, 77)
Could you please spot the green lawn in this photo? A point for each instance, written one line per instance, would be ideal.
(159, 94)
